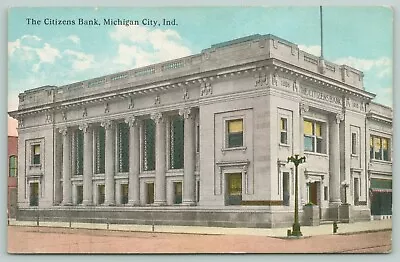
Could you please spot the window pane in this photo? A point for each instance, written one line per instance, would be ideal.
(308, 144)
(235, 126)
(36, 149)
(319, 145)
(283, 137)
(308, 127)
(353, 143)
(384, 143)
(235, 140)
(150, 154)
(36, 159)
(176, 145)
(377, 143)
(318, 129)
(283, 124)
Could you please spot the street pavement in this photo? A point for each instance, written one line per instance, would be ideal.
(324, 229)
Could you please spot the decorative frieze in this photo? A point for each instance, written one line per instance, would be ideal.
(185, 94)
(261, 79)
(205, 89)
(131, 105)
(106, 108)
(84, 113)
(64, 115)
(157, 100)
(49, 118)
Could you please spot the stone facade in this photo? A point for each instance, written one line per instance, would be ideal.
(245, 106)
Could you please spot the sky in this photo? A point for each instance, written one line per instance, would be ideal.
(40, 54)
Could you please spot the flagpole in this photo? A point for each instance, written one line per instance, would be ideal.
(322, 33)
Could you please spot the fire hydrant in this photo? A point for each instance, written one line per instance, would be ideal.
(335, 227)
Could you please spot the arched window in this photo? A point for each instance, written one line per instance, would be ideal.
(12, 166)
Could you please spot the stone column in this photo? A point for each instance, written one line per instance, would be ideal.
(109, 163)
(160, 185)
(334, 160)
(134, 161)
(189, 179)
(87, 164)
(66, 172)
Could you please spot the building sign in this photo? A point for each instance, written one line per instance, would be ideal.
(321, 96)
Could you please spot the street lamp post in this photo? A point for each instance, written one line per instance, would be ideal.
(296, 160)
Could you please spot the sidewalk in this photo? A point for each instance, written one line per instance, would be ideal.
(325, 229)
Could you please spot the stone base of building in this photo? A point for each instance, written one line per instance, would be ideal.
(251, 217)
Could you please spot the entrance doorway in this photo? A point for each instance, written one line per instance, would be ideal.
(177, 192)
(150, 193)
(34, 194)
(234, 188)
(313, 193)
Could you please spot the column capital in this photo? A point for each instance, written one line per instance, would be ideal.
(131, 121)
(157, 117)
(339, 117)
(84, 127)
(303, 108)
(107, 124)
(186, 112)
(63, 130)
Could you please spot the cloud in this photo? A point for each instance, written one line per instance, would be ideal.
(382, 65)
(80, 60)
(45, 54)
(140, 46)
(312, 49)
(33, 37)
(74, 38)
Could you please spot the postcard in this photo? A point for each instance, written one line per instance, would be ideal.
(200, 130)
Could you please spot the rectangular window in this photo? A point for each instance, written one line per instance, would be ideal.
(325, 193)
(284, 131)
(79, 152)
(36, 154)
(100, 194)
(177, 192)
(176, 143)
(12, 166)
(379, 148)
(79, 195)
(34, 194)
(313, 139)
(198, 191)
(353, 143)
(123, 147)
(124, 194)
(100, 150)
(150, 193)
(235, 133)
(149, 155)
(286, 190)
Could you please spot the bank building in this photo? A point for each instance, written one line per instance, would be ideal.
(204, 140)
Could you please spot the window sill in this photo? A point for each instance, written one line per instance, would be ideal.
(353, 155)
(381, 161)
(315, 154)
(226, 149)
(284, 145)
(35, 166)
